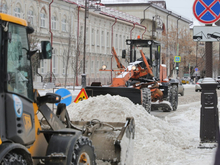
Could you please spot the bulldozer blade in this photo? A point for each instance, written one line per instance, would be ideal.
(113, 141)
(164, 106)
(133, 94)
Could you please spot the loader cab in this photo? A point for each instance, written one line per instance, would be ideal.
(151, 50)
(18, 61)
(16, 83)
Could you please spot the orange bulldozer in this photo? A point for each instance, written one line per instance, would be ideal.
(144, 81)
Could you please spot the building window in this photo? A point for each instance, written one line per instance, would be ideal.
(124, 42)
(86, 66)
(64, 61)
(43, 19)
(97, 38)
(107, 65)
(97, 66)
(81, 33)
(54, 22)
(103, 39)
(92, 67)
(4, 7)
(107, 39)
(81, 67)
(31, 16)
(54, 60)
(116, 40)
(93, 37)
(64, 65)
(87, 36)
(64, 24)
(18, 11)
(120, 42)
(42, 66)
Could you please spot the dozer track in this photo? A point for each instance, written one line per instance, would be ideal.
(174, 97)
(146, 99)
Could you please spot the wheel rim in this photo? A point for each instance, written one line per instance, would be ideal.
(13, 158)
(84, 159)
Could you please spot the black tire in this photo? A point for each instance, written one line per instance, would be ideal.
(83, 152)
(174, 97)
(13, 158)
(169, 98)
(196, 90)
(146, 103)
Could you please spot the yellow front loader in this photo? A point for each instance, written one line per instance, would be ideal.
(30, 132)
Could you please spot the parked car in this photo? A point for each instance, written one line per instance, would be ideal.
(197, 86)
(180, 86)
(185, 80)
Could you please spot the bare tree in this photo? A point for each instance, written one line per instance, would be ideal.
(186, 48)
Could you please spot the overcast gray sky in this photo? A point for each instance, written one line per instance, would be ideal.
(181, 7)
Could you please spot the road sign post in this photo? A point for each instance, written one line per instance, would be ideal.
(207, 12)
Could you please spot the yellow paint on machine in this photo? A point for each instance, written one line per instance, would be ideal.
(40, 145)
(0, 141)
(13, 19)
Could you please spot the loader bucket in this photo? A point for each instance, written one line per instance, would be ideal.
(133, 94)
(112, 141)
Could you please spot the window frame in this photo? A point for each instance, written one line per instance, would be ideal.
(43, 19)
(64, 24)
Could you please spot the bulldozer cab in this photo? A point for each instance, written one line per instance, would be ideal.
(151, 50)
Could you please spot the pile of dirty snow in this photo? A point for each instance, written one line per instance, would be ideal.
(156, 141)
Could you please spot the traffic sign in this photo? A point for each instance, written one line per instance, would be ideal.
(177, 59)
(196, 69)
(66, 96)
(206, 33)
(207, 11)
(81, 96)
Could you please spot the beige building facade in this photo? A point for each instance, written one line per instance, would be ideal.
(62, 22)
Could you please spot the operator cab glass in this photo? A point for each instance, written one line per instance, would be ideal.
(19, 76)
(150, 49)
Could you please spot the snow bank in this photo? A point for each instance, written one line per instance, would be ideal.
(156, 141)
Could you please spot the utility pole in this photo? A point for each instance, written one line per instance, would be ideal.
(96, 6)
(84, 53)
(208, 54)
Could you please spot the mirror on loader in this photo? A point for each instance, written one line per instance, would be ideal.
(46, 50)
(49, 98)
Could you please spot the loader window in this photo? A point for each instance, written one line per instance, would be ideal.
(18, 64)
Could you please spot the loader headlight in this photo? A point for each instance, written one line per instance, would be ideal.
(104, 67)
(149, 42)
(133, 67)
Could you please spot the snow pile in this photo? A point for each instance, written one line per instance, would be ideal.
(156, 141)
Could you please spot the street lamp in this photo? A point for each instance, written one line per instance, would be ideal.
(93, 5)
